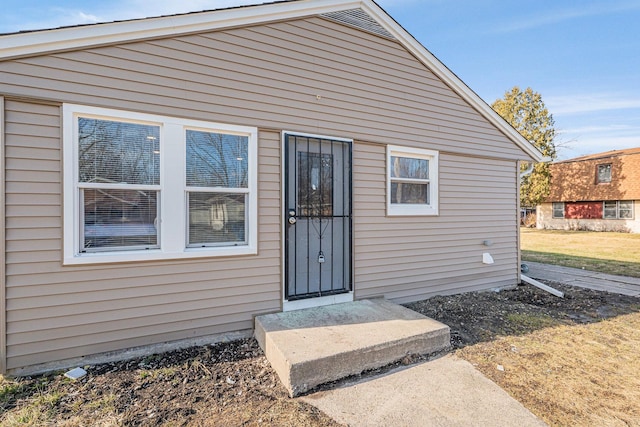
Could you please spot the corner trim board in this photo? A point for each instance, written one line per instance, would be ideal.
(3, 277)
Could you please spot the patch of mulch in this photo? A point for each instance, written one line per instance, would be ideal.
(227, 384)
(232, 384)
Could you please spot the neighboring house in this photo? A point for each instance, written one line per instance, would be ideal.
(597, 192)
(168, 179)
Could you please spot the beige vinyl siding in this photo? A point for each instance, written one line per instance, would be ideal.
(369, 88)
(312, 76)
(56, 312)
(410, 258)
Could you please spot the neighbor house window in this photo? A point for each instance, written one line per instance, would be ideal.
(558, 210)
(604, 173)
(618, 210)
(412, 181)
(143, 187)
(625, 209)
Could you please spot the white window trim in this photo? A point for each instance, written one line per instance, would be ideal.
(431, 209)
(173, 227)
(618, 217)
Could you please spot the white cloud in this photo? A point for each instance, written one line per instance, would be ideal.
(601, 129)
(591, 145)
(587, 103)
(562, 15)
(596, 138)
(56, 16)
(74, 17)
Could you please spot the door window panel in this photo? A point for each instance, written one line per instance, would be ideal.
(315, 184)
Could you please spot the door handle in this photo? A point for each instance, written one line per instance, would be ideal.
(292, 217)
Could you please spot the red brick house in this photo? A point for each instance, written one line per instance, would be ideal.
(595, 192)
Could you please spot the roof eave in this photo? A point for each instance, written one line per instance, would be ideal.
(62, 39)
(69, 38)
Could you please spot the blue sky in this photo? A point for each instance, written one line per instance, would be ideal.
(582, 57)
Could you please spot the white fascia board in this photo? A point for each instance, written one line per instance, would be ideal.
(453, 81)
(61, 39)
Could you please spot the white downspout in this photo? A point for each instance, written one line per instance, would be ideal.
(529, 169)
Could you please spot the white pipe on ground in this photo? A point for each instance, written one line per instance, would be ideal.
(542, 286)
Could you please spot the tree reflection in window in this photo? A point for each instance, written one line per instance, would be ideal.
(217, 177)
(409, 180)
(118, 175)
(217, 160)
(118, 152)
(315, 184)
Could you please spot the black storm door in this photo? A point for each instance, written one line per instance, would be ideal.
(317, 217)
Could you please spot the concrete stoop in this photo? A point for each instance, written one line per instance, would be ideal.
(318, 345)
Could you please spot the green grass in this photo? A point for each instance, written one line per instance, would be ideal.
(529, 322)
(612, 253)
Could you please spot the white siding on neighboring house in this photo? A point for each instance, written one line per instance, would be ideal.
(313, 76)
(545, 220)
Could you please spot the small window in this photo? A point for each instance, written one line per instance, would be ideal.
(610, 210)
(604, 173)
(618, 210)
(558, 210)
(412, 181)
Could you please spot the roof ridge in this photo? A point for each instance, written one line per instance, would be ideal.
(603, 155)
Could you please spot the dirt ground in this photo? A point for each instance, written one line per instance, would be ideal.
(232, 384)
(482, 316)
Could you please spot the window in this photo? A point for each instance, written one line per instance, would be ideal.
(144, 187)
(625, 210)
(610, 210)
(558, 210)
(618, 210)
(412, 181)
(118, 184)
(604, 173)
(217, 188)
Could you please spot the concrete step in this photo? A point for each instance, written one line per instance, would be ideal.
(318, 345)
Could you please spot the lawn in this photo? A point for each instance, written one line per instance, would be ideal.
(571, 375)
(613, 253)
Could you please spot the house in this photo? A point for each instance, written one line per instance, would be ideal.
(596, 192)
(167, 179)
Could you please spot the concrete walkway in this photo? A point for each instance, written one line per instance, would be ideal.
(446, 392)
(585, 278)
